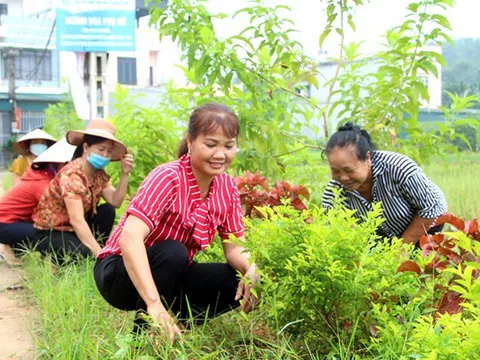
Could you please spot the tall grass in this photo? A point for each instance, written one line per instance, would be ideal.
(75, 322)
(458, 176)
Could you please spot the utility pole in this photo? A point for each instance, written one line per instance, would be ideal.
(10, 54)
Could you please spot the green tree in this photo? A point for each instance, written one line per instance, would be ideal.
(258, 71)
(461, 75)
(387, 101)
(255, 72)
(62, 117)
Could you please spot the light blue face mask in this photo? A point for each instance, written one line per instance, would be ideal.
(37, 149)
(98, 162)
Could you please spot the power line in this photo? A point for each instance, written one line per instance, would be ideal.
(37, 66)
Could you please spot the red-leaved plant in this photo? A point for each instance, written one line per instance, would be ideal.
(448, 252)
(255, 192)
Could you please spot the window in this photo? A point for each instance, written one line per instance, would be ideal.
(127, 71)
(99, 92)
(3, 9)
(30, 65)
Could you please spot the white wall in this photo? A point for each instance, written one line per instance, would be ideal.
(149, 52)
(15, 7)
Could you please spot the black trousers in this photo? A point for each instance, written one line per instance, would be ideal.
(64, 244)
(18, 234)
(200, 291)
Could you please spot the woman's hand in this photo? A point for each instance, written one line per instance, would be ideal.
(127, 164)
(167, 323)
(244, 291)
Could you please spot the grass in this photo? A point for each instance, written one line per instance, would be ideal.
(77, 323)
(458, 177)
(74, 321)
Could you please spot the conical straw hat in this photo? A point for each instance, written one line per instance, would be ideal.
(20, 145)
(100, 128)
(60, 152)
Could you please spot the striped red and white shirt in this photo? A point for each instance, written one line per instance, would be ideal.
(169, 203)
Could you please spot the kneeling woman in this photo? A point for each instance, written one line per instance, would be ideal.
(147, 263)
(16, 206)
(29, 147)
(411, 202)
(68, 218)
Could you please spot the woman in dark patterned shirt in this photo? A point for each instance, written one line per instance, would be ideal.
(411, 202)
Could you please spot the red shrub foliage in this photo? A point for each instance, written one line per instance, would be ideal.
(447, 253)
(255, 192)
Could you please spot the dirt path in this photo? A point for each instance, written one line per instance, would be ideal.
(16, 320)
(15, 316)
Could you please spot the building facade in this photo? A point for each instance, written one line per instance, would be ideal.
(34, 74)
(29, 71)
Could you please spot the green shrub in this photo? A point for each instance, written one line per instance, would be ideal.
(151, 134)
(8, 145)
(454, 336)
(322, 275)
(338, 288)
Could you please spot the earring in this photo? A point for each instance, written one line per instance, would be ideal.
(189, 151)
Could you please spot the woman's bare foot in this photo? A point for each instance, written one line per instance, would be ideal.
(7, 254)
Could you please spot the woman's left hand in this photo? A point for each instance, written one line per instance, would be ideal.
(244, 290)
(127, 164)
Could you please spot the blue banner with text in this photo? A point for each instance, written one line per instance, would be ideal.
(95, 25)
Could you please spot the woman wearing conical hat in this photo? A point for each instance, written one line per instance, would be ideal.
(68, 220)
(16, 206)
(29, 147)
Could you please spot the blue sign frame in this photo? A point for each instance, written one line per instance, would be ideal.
(96, 25)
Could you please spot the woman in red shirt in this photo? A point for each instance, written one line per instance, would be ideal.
(147, 263)
(16, 206)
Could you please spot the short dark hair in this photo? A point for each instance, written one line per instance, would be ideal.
(206, 119)
(89, 140)
(351, 135)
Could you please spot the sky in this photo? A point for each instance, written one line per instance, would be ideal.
(372, 20)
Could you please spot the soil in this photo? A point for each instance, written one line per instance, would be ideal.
(16, 315)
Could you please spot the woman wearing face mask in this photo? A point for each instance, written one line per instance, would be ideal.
(148, 261)
(29, 147)
(411, 202)
(68, 220)
(16, 206)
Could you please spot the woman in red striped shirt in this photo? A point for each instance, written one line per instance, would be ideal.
(147, 263)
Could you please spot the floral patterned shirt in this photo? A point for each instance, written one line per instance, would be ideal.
(70, 183)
